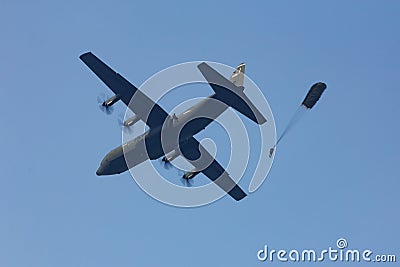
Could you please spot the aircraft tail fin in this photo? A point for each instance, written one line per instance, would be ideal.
(237, 77)
(231, 94)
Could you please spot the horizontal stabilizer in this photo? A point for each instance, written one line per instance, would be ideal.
(231, 94)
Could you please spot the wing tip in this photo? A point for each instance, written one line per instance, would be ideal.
(202, 65)
(85, 55)
(237, 193)
(261, 120)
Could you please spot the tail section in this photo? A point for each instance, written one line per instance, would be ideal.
(237, 77)
(230, 93)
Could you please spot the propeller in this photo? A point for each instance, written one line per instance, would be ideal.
(166, 164)
(124, 127)
(186, 182)
(101, 99)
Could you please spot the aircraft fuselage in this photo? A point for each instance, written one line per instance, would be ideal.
(160, 141)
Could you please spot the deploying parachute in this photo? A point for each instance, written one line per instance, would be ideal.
(309, 102)
(313, 95)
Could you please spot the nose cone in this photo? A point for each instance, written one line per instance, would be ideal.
(104, 168)
(100, 171)
(113, 163)
(108, 167)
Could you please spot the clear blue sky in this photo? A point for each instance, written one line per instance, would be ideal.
(335, 175)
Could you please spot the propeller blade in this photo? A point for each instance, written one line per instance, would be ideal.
(187, 182)
(166, 164)
(125, 128)
(99, 100)
(109, 110)
(106, 109)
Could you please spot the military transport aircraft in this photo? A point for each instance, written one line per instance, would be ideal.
(171, 136)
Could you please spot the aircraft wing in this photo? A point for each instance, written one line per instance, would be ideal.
(198, 156)
(143, 107)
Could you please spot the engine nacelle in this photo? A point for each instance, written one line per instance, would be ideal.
(131, 121)
(191, 174)
(171, 156)
(111, 101)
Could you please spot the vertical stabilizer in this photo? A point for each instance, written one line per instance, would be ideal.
(237, 77)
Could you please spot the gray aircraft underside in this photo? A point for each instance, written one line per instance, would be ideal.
(173, 136)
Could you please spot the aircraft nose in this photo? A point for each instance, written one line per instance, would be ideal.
(100, 170)
(111, 166)
(105, 168)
